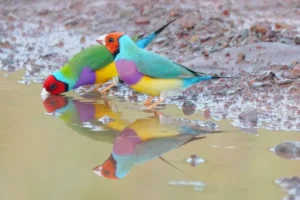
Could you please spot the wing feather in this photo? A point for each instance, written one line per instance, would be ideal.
(157, 66)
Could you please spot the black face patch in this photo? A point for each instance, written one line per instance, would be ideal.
(116, 53)
(66, 87)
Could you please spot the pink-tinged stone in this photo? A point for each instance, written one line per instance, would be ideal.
(296, 71)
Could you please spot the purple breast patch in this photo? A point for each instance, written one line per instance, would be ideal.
(87, 77)
(86, 112)
(128, 72)
(126, 142)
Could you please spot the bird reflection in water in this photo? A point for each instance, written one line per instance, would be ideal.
(147, 139)
(133, 144)
(91, 119)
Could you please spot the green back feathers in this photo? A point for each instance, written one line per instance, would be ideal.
(70, 116)
(94, 57)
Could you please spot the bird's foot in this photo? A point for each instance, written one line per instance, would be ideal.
(152, 106)
(104, 97)
(110, 104)
(96, 88)
(104, 94)
(157, 113)
(104, 91)
(148, 101)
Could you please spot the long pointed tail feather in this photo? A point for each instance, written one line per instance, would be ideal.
(163, 27)
(218, 77)
(165, 161)
(213, 76)
(145, 41)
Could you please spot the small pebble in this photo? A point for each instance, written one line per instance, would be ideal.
(241, 57)
(195, 160)
(285, 81)
(44, 12)
(261, 28)
(249, 115)
(297, 39)
(296, 72)
(142, 20)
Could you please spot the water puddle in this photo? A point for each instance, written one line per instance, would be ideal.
(67, 142)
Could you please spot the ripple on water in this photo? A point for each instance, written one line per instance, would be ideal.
(197, 185)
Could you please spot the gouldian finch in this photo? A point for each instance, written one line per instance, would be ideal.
(144, 140)
(82, 117)
(93, 65)
(147, 72)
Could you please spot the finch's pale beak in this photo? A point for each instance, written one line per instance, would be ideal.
(101, 39)
(98, 170)
(44, 94)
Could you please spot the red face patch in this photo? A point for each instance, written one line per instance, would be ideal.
(108, 168)
(54, 86)
(55, 102)
(112, 41)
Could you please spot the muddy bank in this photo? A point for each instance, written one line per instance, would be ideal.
(256, 42)
(41, 36)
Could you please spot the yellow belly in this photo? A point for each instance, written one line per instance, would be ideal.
(154, 86)
(151, 128)
(102, 110)
(105, 74)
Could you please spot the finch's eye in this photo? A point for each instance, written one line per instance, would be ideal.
(53, 86)
(110, 39)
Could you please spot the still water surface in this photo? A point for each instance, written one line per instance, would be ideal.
(49, 150)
